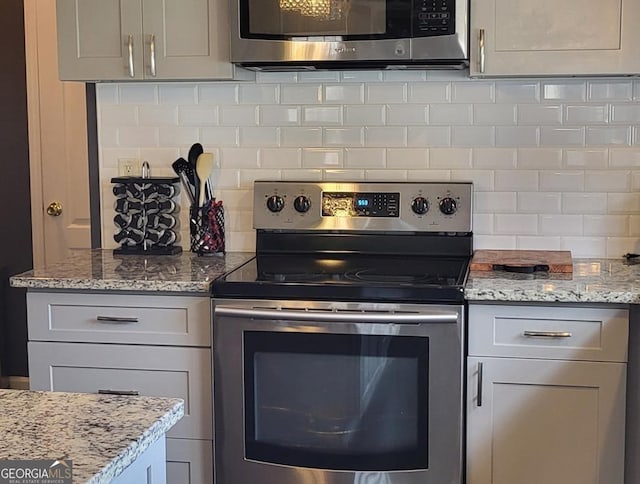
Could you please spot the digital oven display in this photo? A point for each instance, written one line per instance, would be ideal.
(353, 204)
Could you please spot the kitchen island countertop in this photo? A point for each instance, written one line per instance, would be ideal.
(101, 270)
(612, 281)
(100, 434)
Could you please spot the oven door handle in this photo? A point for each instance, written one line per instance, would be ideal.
(337, 316)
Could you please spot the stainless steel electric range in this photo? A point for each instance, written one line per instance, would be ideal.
(338, 350)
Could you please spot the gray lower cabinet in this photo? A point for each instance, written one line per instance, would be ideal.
(91, 355)
(546, 388)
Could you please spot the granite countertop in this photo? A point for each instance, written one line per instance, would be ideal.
(613, 281)
(102, 270)
(101, 434)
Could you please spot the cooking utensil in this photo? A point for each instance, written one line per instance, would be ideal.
(204, 167)
(195, 151)
(187, 176)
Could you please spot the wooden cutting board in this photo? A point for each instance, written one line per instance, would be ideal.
(522, 260)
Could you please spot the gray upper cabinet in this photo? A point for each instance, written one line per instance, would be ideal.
(550, 37)
(120, 40)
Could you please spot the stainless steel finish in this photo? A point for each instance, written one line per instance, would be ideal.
(132, 72)
(407, 221)
(337, 315)
(133, 393)
(152, 55)
(116, 320)
(547, 334)
(481, 53)
(232, 318)
(311, 50)
(480, 371)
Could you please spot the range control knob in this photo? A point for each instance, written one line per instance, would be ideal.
(275, 203)
(448, 206)
(420, 205)
(302, 204)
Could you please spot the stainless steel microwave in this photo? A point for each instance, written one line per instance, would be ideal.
(346, 34)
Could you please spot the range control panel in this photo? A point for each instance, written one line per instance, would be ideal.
(371, 206)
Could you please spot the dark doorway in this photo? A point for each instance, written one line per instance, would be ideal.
(15, 199)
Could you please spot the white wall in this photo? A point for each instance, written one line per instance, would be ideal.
(555, 162)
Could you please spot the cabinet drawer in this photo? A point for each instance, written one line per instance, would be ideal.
(549, 332)
(129, 319)
(189, 461)
(152, 371)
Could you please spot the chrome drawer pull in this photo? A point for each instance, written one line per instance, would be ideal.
(547, 334)
(131, 393)
(132, 73)
(116, 320)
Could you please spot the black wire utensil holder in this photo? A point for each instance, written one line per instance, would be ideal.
(146, 215)
(206, 226)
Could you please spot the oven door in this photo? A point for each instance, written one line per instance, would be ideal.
(337, 393)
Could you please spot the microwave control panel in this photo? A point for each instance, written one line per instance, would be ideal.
(433, 17)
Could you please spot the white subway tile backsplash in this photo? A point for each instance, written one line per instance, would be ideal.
(552, 160)
(610, 90)
(539, 158)
(494, 158)
(607, 181)
(450, 114)
(539, 114)
(586, 114)
(622, 245)
(608, 135)
(562, 181)
(428, 136)
(430, 92)
(516, 224)
(345, 136)
(406, 114)
(584, 203)
(552, 136)
(568, 225)
(450, 158)
(606, 225)
(322, 158)
(539, 202)
(407, 158)
(367, 158)
(473, 92)
(386, 93)
(593, 158)
(364, 115)
(383, 137)
(473, 136)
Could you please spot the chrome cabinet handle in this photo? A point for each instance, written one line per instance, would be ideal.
(116, 320)
(335, 316)
(152, 57)
(480, 371)
(547, 334)
(481, 49)
(132, 72)
(133, 393)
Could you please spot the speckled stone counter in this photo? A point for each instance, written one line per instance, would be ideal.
(101, 270)
(611, 281)
(101, 434)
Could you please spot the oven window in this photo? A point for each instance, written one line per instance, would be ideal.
(349, 19)
(336, 401)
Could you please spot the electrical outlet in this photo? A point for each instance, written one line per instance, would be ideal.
(128, 167)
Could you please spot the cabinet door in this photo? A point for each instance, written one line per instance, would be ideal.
(147, 370)
(186, 40)
(541, 421)
(189, 461)
(524, 37)
(99, 39)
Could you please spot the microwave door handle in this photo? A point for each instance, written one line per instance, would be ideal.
(336, 316)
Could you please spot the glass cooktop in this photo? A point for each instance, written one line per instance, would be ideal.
(347, 277)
